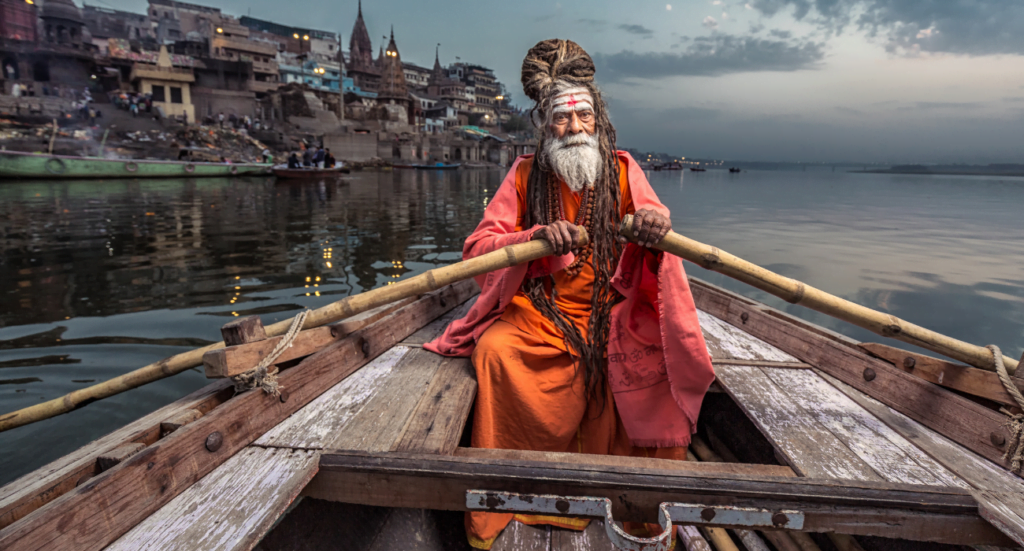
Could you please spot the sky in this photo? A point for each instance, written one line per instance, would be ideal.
(887, 81)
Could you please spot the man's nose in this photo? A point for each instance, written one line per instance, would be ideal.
(575, 126)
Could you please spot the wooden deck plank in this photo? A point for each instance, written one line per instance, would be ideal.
(1000, 493)
(890, 455)
(523, 537)
(231, 508)
(382, 420)
(436, 423)
(807, 445)
(431, 331)
(591, 538)
(725, 341)
(319, 422)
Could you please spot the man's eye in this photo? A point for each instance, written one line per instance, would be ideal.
(561, 118)
(586, 115)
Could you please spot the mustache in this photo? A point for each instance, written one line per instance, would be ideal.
(576, 139)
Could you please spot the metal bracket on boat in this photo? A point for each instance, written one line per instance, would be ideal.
(683, 513)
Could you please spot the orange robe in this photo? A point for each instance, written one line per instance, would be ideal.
(530, 396)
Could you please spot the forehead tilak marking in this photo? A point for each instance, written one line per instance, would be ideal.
(573, 99)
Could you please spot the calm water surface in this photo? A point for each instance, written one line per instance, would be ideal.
(99, 278)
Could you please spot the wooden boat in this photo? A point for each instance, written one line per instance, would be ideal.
(308, 173)
(734, 169)
(31, 165)
(697, 169)
(804, 431)
(404, 166)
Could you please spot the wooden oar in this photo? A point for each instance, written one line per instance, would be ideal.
(796, 292)
(430, 280)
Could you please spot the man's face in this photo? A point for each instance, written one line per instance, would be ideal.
(572, 113)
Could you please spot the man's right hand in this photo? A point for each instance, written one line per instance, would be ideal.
(563, 236)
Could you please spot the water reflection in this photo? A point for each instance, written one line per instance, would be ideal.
(99, 278)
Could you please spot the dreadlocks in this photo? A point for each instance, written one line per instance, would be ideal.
(551, 66)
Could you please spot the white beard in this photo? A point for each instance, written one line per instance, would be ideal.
(578, 165)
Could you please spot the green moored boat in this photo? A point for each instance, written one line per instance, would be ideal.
(33, 165)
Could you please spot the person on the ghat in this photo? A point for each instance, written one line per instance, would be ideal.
(596, 349)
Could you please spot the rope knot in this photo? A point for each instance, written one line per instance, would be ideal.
(1014, 453)
(264, 375)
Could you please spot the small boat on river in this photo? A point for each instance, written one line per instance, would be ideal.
(308, 173)
(33, 165)
(734, 170)
(803, 430)
(438, 166)
(697, 169)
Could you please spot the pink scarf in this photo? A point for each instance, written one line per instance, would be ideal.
(658, 364)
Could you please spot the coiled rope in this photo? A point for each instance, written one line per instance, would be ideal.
(264, 375)
(1015, 426)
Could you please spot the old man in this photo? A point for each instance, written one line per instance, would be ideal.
(596, 349)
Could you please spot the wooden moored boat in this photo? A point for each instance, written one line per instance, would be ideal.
(308, 173)
(813, 434)
(31, 165)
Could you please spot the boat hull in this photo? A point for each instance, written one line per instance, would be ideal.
(308, 173)
(29, 165)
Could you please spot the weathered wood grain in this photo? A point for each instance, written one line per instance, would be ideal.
(322, 419)
(229, 509)
(437, 420)
(113, 457)
(43, 485)
(243, 330)
(232, 360)
(806, 445)
(1000, 494)
(432, 330)
(890, 455)
(723, 469)
(381, 421)
(971, 380)
(725, 341)
(956, 417)
(178, 421)
(133, 490)
(523, 537)
(925, 513)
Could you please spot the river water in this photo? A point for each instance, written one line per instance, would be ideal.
(101, 277)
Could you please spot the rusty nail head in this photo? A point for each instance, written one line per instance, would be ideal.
(334, 331)
(869, 374)
(366, 347)
(780, 519)
(707, 514)
(744, 317)
(562, 506)
(444, 303)
(214, 441)
(283, 396)
(909, 362)
(998, 440)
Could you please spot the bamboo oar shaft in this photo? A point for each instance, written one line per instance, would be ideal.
(426, 282)
(796, 292)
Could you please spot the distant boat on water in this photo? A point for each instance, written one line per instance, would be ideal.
(307, 173)
(32, 165)
(697, 169)
(734, 169)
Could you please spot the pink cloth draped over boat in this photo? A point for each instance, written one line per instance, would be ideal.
(658, 364)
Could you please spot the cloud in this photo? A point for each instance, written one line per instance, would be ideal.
(710, 22)
(948, 104)
(668, 7)
(778, 33)
(714, 55)
(977, 27)
(638, 30)
(592, 22)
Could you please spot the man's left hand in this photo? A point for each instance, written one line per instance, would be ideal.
(649, 227)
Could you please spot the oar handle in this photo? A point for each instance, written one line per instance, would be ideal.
(795, 292)
(426, 282)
